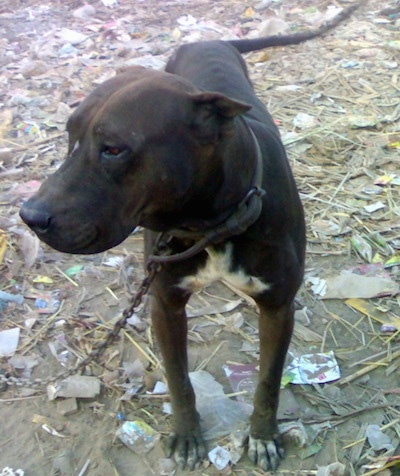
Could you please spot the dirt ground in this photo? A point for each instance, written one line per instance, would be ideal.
(347, 85)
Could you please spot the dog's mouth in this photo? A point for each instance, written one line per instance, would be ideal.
(86, 241)
(89, 244)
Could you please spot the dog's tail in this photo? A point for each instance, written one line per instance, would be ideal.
(245, 46)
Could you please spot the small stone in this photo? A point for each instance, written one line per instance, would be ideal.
(64, 463)
(67, 407)
(167, 467)
(76, 386)
(6, 155)
(3, 386)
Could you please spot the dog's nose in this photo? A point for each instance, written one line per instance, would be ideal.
(36, 219)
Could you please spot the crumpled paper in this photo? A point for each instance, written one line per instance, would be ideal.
(314, 368)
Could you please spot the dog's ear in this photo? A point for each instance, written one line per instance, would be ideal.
(220, 104)
(213, 115)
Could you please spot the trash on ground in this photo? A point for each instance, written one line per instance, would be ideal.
(219, 457)
(46, 302)
(314, 368)
(377, 439)
(329, 228)
(374, 207)
(7, 471)
(219, 414)
(243, 379)
(114, 261)
(388, 328)
(52, 431)
(58, 348)
(362, 247)
(40, 278)
(9, 341)
(74, 270)
(389, 321)
(304, 121)
(160, 388)
(351, 285)
(131, 389)
(110, 3)
(359, 121)
(71, 36)
(364, 281)
(16, 298)
(237, 442)
(393, 261)
(138, 436)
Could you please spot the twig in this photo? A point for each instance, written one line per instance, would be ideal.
(84, 468)
(367, 369)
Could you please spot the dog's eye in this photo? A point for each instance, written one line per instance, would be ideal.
(110, 151)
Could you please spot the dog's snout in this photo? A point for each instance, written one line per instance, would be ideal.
(37, 220)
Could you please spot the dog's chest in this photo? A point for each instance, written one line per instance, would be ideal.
(219, 267)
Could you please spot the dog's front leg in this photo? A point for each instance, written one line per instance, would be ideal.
(275, 330)
(170, 325)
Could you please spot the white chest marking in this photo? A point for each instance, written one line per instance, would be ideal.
(217, 268)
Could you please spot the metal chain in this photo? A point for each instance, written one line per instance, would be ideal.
(152, 267)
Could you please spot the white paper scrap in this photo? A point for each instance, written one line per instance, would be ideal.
(219, 457)
(9, 341)
(374, 207)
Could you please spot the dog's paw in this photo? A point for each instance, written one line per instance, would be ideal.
(266, 454)
(187, 449)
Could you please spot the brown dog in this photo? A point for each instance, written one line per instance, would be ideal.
(194, 153)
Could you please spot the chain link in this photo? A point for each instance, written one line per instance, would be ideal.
(152, 268)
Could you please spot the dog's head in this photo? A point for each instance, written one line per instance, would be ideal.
(140, 148)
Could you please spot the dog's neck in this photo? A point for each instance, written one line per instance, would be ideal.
(234, 219)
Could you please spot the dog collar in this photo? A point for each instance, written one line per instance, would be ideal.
(245, 214)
